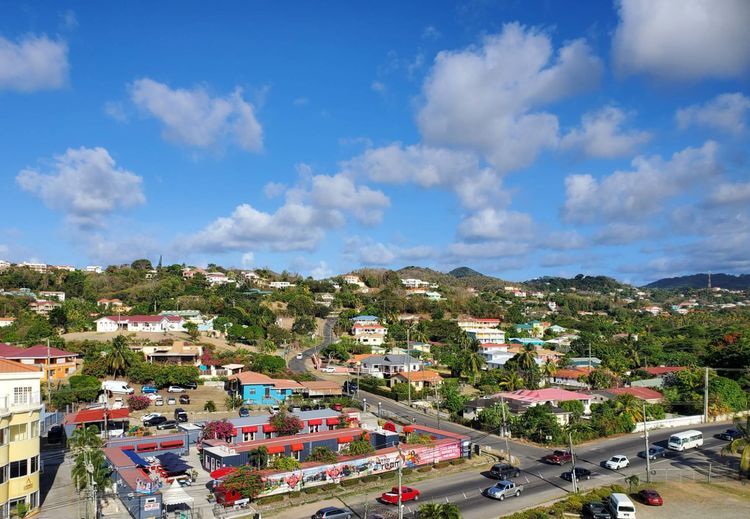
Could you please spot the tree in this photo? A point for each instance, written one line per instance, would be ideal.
(439, 511)
(118, 355)
(192, 330)
(336, 351)
(538, 424)
(58, 318)
(630, 406)
(218, 429)
(209, 406)
(359, 447)
(741, 445)
(141, 264)
(268, 364)
(491, 417)
(451, 397)
(138, 402)
(246, 481)
(304, 325)
(89, 463)
(511, 381)
(472, 365)
(286, 424)
(285, 463)
(323, 455)
(258, 458)
(233, 402)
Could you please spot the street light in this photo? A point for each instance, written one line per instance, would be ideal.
(364, 405)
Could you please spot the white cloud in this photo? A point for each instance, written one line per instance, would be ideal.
(196, 119)
(321, 271)
(114, 248)
(485, 97)
(33, 63)
(601, 135)
(366, 251)
(496, 224)
(636, 195)
(340, 192)
(726, 112)
(688, 39)
(731, 193)
(378, 86)
(431, 33)
(430, 167)
(622, 233)
(86, 185)
(247, 260)
(116, 111)
(274, 189)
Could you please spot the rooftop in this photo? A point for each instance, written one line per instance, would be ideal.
(8, 366)
(96, 415)
(34, 352)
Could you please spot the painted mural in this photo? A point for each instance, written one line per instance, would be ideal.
(411, 456)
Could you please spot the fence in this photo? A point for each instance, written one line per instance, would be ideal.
(670, 422)
(698, 473)
(50, 419)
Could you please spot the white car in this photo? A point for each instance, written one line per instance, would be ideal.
(149, 416)
(153, 396)
(617, 462)
(299, 356)
(118, 403)
(159, 401)
(175, 389)
(329, 369)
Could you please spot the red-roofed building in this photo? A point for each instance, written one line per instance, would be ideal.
(570, 377)
(660, 371)
(522, 399)
(646, 394)
(420, 380)
(141, 323)
(116, 421)
(61, 363)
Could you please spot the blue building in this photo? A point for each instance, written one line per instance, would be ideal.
(260, 389)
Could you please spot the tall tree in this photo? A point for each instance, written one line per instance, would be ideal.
(741, 445)
(118, 355)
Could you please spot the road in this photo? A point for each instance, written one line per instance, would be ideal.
(542, 482)
(298, 365)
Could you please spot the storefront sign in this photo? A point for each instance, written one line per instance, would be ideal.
(150, 507)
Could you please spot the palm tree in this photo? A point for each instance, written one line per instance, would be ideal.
(472, 365)
(118, 355)
(549, 369)
(439, 511)
(258, 458)
(740, 445)
(630, 406)
(527, 359)
(85, 439)
(511, 381)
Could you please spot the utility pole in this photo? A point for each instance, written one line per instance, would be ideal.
(505, 430)
(437, 398)
(645, 437)
(408, 369)
(49, 389)
(705, 397)
(400, 467)
(573, 468)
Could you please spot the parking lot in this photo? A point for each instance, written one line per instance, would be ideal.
(699, 501)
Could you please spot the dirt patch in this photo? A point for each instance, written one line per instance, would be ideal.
(153, 337)
(699, 500)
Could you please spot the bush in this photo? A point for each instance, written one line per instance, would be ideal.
(370, 478)
(442, 464)
(311, 490)
(270, 499)
(458, 461)
(138, 402)
(329, 487)
(424, 469)
(209, 406)
(350, 482)
(406, 472)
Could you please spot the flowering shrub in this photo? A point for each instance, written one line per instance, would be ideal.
(138, 402)
(218, 429)
(286, 424)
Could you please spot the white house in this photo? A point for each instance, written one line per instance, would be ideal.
(496, 355)
(53, 295)
(474, 322)
(414, 283)
(369, 333)
(36, 267)
(96, 269)
(217, 278)
(433, 296)
(6, 321)
(388, 365)
(486, 335)
(4, 264)
(141, 323)
(280, 284)
(43, 307)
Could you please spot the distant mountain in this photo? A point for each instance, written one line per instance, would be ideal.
(728, 281)
(459, 277)
(464, 272)
(601, 284)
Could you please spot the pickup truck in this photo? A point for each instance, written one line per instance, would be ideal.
(503, 489)
(558, 458)
(407, 494)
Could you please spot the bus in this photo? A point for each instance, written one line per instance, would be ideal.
(685, 440)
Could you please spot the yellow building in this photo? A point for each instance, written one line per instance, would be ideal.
(20, 407)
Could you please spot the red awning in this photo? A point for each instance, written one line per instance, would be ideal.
(147, 446)
(332, 421)
(222, 472)
(345, 439)
(297, 447)
(316, 421)
(234, 432)
(408, 429)
(269, 428)
(172, 443)
(276, 449)
(127, 447)
(250, 429)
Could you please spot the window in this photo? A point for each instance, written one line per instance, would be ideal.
(21, 395)
(18, 432)
(296, 455)
(34, 429)
(34, 500)
(314, 428)
(268, 392)
(34, 464)
(4, 434)
(13, 504)
(18, 468)
(4, 473)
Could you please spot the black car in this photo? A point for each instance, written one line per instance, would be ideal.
(156, 420)
(190, 385)
(55, 434)
(184, 399)
(581, 473)
(729, 435)
(180, 415)
(596, 510)
(244, 412)
(167, 424)
(504, 471)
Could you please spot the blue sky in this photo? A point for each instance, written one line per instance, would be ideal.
(519, 138)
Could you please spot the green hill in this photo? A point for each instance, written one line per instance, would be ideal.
(728, 281)
(600, 284)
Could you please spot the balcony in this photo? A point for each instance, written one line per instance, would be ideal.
(21, 402)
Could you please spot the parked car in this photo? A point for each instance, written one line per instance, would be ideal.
(117, 387)
(581, 473)
(55, 434)
(190, 385)
(407, 494)
(175, 389)
(299, 356)
(152, 396)
(329, 369)
(149, 416)
(156, 420)
(148, 389)
(650, 497)
(274, 409)
(171, 400)
(244, 412)
(118, 403)
(503, 489)
(180, 415)
(167, 424)
(558, 458)
(653, 452)
(159, 400)
(331, 512)
(184, 399)
(337, 407)
(504, 471)
(595, 510)
(729, 435)
(617, 462)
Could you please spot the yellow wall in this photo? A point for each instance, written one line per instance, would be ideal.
(20, 487)
(4, 493)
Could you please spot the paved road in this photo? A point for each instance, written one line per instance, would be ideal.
(298, 365)
(542, 482)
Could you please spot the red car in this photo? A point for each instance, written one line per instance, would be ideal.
(558, 458)
(650, 497)
(407, 494)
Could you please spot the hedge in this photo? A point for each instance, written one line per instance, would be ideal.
(370, 478)
(330, 487)
(270, 499)
(442, 464)
(311, 490)
(350, 482)
(458, 461)
(406, 472)
(424, 469)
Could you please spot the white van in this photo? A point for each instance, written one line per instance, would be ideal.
(620, 506)
(685, 440)
(117, 387)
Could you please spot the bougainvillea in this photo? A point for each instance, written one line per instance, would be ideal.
(286, 424)
(218, 429)
(246, 481)
(138, 403)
